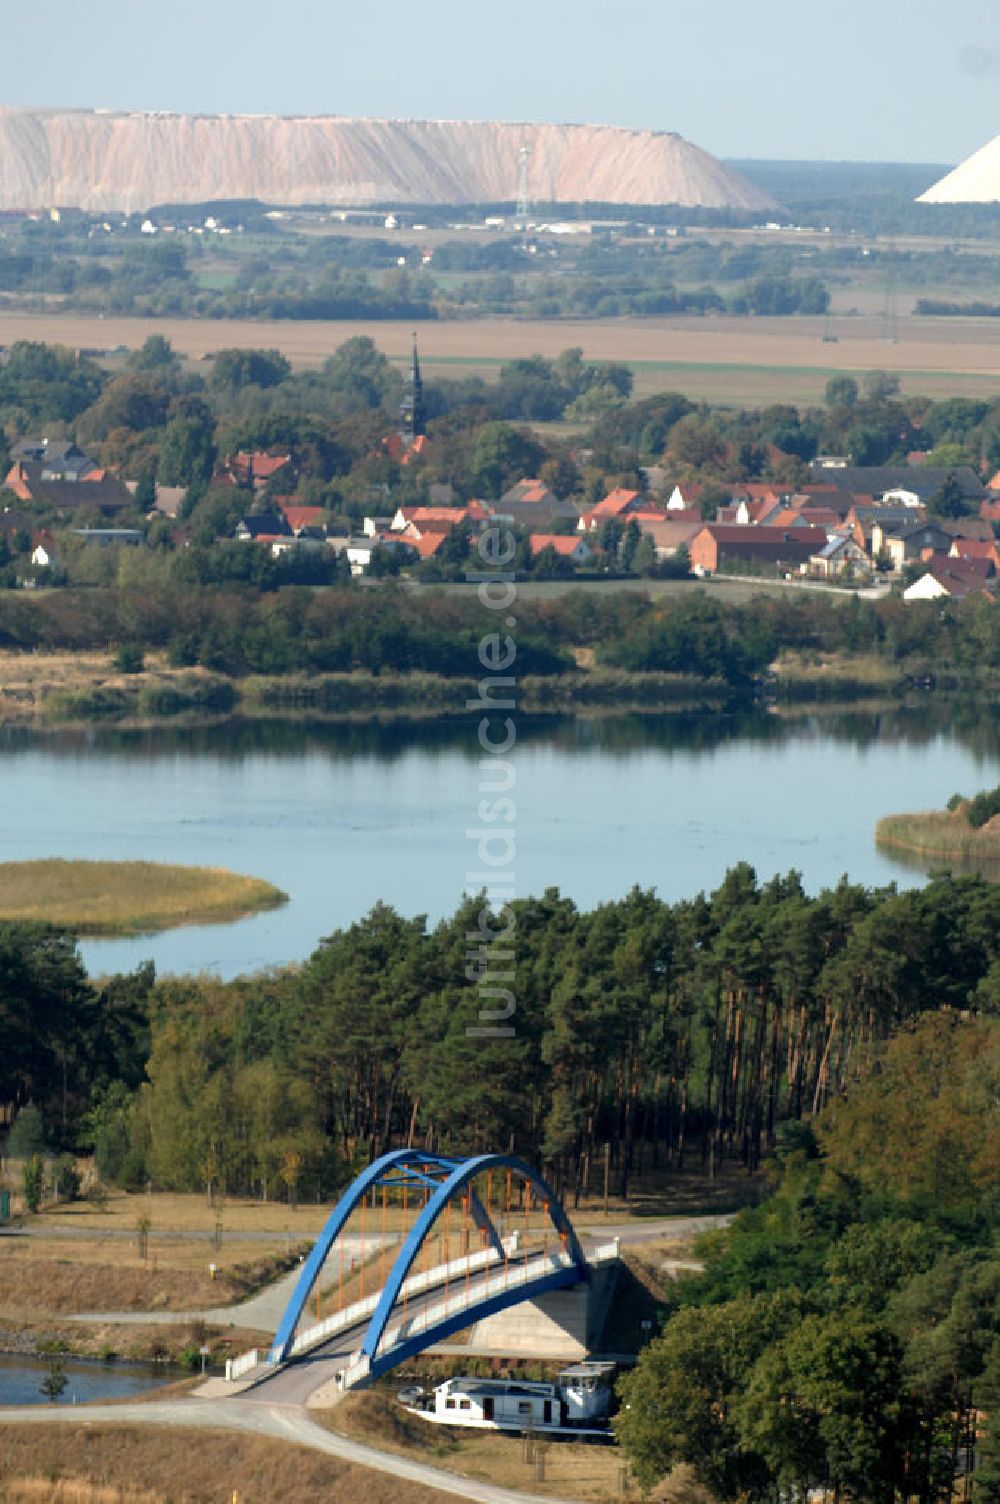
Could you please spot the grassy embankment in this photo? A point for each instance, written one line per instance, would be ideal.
(124, 898)
(80, 1463)
(577, 1469)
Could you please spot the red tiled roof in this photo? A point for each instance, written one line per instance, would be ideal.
(300, 517)
(959, 576)
(564, 544)
(264, 465)
(615, 503)
(820, 516)
(757, 491)
(973, 548)
(428, 542)
(528, 491)
(676, 514)
(734, 533)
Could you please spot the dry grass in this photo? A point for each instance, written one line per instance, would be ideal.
(40, 1278)
(833, 668)
(171, 1212)
(33, 684)
(583, 1470)
(154, 1466)
(72, 1491)
(940, 834)
(124, 898)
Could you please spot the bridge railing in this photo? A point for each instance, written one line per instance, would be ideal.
(358, 1310)
(511, 1277)
(245, 1363)
(418, 1284)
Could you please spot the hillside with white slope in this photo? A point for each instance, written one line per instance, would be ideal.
(129, 162)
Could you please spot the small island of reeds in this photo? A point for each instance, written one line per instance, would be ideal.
(128, 898)
(968, 830)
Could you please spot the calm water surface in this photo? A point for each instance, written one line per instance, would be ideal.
(21, 1379)
(340, 817)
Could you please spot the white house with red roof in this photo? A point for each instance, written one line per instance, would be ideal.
(955, 578)
(619, 505)
(420, 518)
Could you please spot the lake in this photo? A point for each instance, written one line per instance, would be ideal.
(21, 1379)
(342, 816)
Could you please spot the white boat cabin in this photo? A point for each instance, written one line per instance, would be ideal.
(579, 1398)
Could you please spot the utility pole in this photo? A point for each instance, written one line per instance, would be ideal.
(607, 1172)
(524, 191)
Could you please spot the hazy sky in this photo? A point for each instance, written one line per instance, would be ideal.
(890, 80)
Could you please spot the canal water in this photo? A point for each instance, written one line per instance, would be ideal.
(341, 817)
(21, 1381)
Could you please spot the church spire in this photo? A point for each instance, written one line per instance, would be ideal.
(412, 418)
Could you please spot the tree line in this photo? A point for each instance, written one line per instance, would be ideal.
(211, 608)
(845, 1335)
(680, 1035)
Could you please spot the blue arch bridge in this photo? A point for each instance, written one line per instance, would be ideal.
(443, 1244)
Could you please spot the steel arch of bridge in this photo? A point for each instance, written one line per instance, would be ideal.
(444, 1176)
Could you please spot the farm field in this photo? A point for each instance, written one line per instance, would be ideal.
(719, 359)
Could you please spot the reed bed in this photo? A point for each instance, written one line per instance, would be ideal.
(124, 898)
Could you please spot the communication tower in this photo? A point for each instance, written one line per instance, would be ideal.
(524, 190)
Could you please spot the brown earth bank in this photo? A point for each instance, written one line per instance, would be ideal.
(46, 1278)
(101, 1464)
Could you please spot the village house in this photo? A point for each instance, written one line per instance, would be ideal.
(372, 526)
(831, 498)
(43, 552)
(952, 578)
(618, 506)
(532, 504)
(902, 544)
(359, 550)
(668, 537)
(63, 476)
(862, 521)
(716, 546)
(303, 521)
(840, 555)
(262, 527)
(254, 469)
(909, 486)
(682, 498)
(419, 518)
(976, 548)
(566, 545)
(531, 492)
